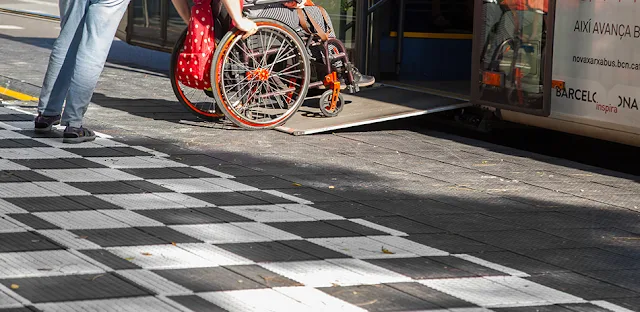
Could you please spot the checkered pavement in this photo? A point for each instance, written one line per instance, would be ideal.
(105, 226)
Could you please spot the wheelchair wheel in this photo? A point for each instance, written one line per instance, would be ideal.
(195, 100)
(261, 82)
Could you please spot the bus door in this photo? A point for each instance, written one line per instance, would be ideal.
(512, 54)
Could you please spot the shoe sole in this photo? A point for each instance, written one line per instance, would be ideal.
(78, 140)
(47, 129)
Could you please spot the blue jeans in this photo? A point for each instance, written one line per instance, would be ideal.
(78, 56)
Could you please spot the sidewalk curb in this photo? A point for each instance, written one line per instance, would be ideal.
(20, 87)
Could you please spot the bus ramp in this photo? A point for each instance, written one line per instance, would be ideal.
(369, 106)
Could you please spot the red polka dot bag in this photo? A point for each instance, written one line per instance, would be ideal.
(194, 61)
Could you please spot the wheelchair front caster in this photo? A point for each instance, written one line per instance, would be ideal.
(326, 104)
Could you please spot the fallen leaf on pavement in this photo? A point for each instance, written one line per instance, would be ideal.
(387, 251)
(15, 286)
(129, 259)
(297, 184)
(146, 254)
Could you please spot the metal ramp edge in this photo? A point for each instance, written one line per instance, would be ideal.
(379, 104)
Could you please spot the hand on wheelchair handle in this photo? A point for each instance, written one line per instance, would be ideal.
(248, 26)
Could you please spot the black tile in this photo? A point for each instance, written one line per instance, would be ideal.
(222, 214)
(156, 173)
(33, 221)
(630, 303)
(15, 117)
(413, 207)
(467, 266)
(73, 287)
(431, 295)
(111, 187)
(629, 279)
(584, 307)
(266, 182)
(263, 276)
(379, 298)
(38, 204)
(268, 197)
(404, 224)
(209, 279)
(196, 159)
(31, 176)
(148, 187)
(30, 143)
(93, 202)
(584, 259)
(313, 249)
(452, 243)
(550, 308)
(33, 134)
(581, 286)
(96, 152)
(179, 216)
(421, 268)
(519, 240)
(169, 234)
(107, 258)
(313, 229)
(229, 199)
(120, 237)
(312, 194)
(194, 173)
(356, 227)
(130, 151)
(267, 252)
(9, 176)
(610, 239)
(10, 144)
(350, 209)
(25, 241)
(467, 222)
(545, 220)
(85, 163)
(197, 304)
(518, 262)
(25, 309)
(56, 163)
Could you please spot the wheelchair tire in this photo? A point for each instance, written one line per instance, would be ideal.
(266, 93)
(194, 100)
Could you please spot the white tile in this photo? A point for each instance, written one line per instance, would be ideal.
(140, 201)
(289, 197)
(266, 231)
(137, 304)
(150, 151)
(24, 153)
(62, 189)
(267, 213)
(162, 162)
(24, 189)
(362, 247)
(7, 302)
(130, 218)
(215, 255)
(373, 274)
(220, 233)
(8, 225)
(492, 265)
(312, 212)
(543, 292)
(135, 162)
(57, 142)
(57, 152)
(484, 292)
(116, 174)
(102, 141)
(7, 126)
(154, 282)
(185, 200)
(160, 257)
(323, 273)
(230, 184)
(14, 297)
(6, 134)
(610, 306)
(189, 185)
(77, 220)
(403, 243)
(69, 240)
(74, 175)
(253, 300)
(317, 300)
(214, 172)
(43, 263)
(19, 125)
(7, 207)
(379, 227)
(6, 164)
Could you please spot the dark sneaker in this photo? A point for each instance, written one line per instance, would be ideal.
(77, 135)
(43, 124)
(362, 80)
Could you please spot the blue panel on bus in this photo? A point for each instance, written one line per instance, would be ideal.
(431, 59)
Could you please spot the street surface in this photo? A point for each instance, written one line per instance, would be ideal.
(47, 7)
(158, 215)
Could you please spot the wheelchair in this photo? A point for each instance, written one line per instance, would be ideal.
(261, 81)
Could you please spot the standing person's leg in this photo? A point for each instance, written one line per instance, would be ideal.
(102, 20)
(61, 62)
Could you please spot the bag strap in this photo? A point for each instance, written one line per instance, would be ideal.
(303, 21)
(326, 18)
(319, 32)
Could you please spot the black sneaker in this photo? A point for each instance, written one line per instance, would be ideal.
(362, 80)
(43, 124)
(77, 135)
